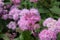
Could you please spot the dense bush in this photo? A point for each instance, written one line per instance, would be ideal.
(29, 19)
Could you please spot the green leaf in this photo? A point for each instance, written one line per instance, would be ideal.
(55, 9)
(58, 37)
(5, 37)
(25, 35)
(16, 38)
(1, 35)
(42, 10)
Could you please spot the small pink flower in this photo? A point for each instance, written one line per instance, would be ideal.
(15, 17)
(35, 11)
(13, 12)
(5, 17)
(36, 26)
(23, 24)
(12, 25)
(1, 4)
(24, 12)
(32, 17)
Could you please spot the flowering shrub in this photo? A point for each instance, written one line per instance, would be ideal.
(29, 20)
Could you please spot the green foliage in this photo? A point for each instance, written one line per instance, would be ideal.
(25, 35)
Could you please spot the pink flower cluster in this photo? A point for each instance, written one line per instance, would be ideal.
(14, 14)
(26, 19)
(52, 24)
(47, 35)
(53, 29)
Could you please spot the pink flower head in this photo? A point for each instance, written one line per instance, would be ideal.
(57, 25)
(32, 17)
(33, 1)
(36, 26)
(15, 17)
(35, 11)
(13, 12)
(5, 17)
(12, 25)
(24, 12)
(23, 24)
(47, 35)
(53, 27)
(27, 22)
(1, 4)
(51, 24)
(48, 21)
(16, 1)
(28, 19)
